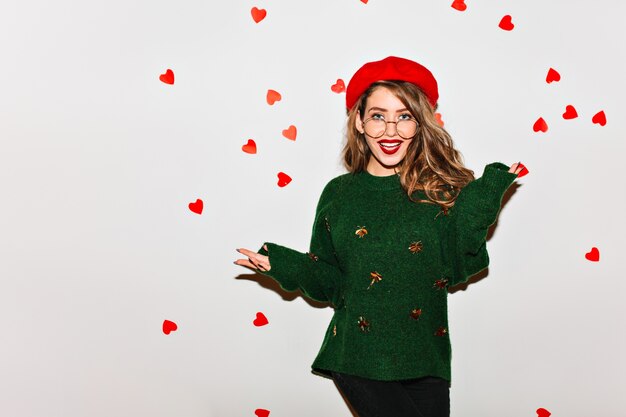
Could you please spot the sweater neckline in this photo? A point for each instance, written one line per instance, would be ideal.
(380, 183)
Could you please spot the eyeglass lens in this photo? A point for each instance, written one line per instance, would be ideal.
(376, 128)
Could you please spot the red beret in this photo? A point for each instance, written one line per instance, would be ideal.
(391, 68)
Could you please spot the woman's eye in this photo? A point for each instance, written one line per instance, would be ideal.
(378, 116)
(405, 116)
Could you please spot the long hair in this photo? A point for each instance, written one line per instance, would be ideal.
(431, 163)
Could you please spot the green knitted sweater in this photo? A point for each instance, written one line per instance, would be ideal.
(385, 263)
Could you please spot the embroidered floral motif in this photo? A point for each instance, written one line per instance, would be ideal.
(441, 283)
(335, 330)
(326, 224)
(376, 277)
(416, 313)
(441, 331)
(363, 324)
(313, 256)
(415, 247)
(360, 231)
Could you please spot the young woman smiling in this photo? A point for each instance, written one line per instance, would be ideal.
(406, 222)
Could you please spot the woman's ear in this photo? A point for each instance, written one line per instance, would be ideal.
(358, 123)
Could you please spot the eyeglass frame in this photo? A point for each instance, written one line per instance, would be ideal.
(418, 125)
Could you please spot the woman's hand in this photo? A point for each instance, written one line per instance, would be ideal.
(515, 168)
(255, 260)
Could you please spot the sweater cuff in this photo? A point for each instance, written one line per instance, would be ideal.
(497, 178)
(283, 262)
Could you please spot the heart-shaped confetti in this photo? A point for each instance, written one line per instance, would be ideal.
(599, 118)
(290, 133)
(283, 179)
(553, 75)
(272, 97)
(593, 255)
(542, 412)
(339, 86)
(540, 125)
(364, 1)
(168, 77)
(506, 23)
(197, 206)
(459, 5)
(249, 147)
(523, 172)
(260, 319)
(439, 120)
(570, 112)
(169, 326)
(258, 14)
(260, 412)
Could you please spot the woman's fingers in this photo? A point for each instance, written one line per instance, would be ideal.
(516, 168)
(255, 260)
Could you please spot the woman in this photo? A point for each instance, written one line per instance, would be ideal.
(407, 221)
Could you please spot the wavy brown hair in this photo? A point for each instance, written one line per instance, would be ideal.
(431, 163)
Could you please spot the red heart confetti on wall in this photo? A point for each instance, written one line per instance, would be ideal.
(260, 319)
(168, 77)
(249, 147)
(439, 120)
(290, 132)
(258, 14)
(283, 179)
(506, 23)
(553, 75)
(540, 125)
(339, 86)
(272, 97)
(542, 412)
(593, 255)
(169, 326)
(523, 172)
(599, 118)
(364, 1)
(459, 5)
(197, 206)
(570, 112)
(260, 412)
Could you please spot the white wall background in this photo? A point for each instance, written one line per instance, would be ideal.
(99, 160)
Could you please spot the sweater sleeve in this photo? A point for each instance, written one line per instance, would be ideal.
(316, 273)
(475, 210)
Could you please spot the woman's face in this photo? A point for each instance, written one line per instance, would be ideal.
(389, 149)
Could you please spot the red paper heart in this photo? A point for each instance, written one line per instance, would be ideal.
(258, 14)
(459, 5)
(540, 125)
(260, 412)
(339, 86)
(168, 77)
(283, 179)
(523, 172)
(570, 112)
(593, 254)
(290, 132)
(364, 1)
(260, 320)
(439, 120)
(272, 97)
(249, 147)
(599, 118)
(542, 412)
(506, 23)
(169, 326)
(553, 75)
(197, 206)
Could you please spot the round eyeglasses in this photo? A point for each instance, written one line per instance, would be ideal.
(377, 127)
